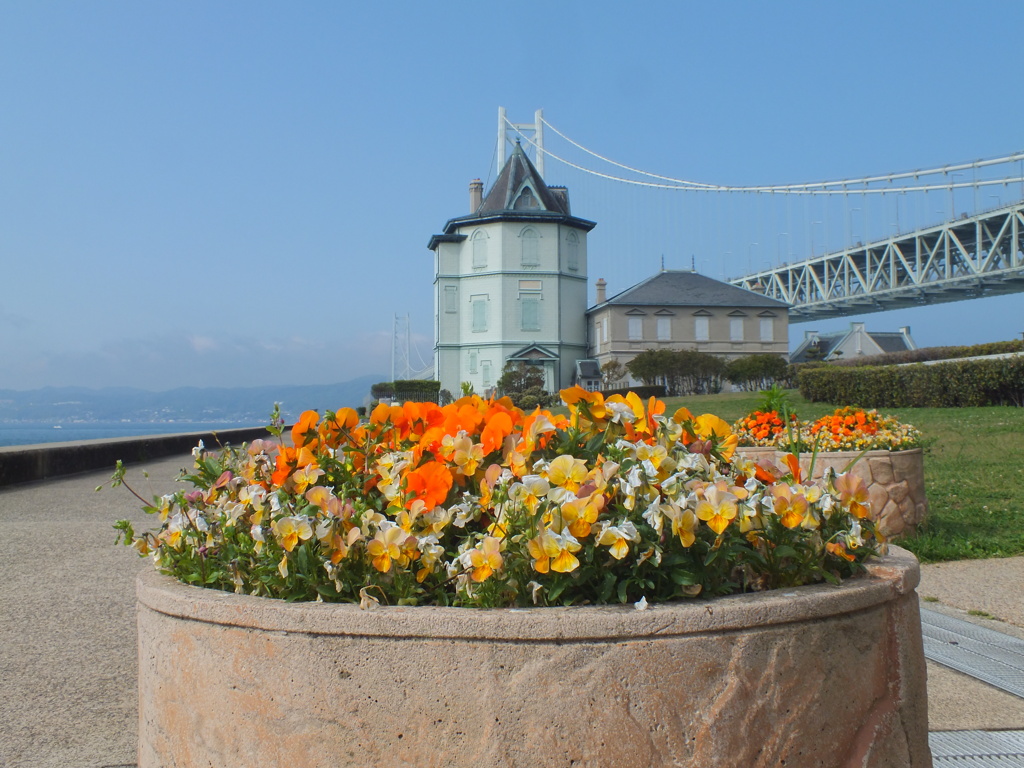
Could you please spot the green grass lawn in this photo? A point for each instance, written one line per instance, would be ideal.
(974, 472)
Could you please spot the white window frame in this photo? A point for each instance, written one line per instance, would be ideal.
(702, 328)
(636, 328)
(664, 328)
(479, 250)
(736, 329)
(767, 329)
(480, 310)
(572, 247)
(530, 248)
(529, 299)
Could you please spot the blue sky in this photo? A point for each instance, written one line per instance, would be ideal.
(226, 194)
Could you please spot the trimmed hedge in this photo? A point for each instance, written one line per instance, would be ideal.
(928, 354)
(406, 389)
(643, 392)
(943, 385)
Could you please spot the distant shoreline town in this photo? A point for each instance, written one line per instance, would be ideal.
(184, 405)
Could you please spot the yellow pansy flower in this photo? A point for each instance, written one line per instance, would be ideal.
(289, 530)
(386, 546)
(790, 507)
(617, 538)
(485, 558)
(717, 508)
(567, 472)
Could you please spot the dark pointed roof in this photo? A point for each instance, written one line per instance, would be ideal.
(890, 341)
(509, 200)
(690, 289)
(506, 190)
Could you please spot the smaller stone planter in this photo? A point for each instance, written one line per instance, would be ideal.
(895, 481)
(816, 676)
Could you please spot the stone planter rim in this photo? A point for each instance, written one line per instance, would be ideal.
(888, 577)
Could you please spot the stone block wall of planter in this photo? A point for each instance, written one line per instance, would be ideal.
(811, 676)
(895, 481)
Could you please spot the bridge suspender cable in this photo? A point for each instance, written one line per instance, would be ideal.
(839, 187)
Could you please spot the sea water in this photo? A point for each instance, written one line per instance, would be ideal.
(34, 433)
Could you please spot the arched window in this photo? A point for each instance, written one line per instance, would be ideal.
(526, 200)
(572, 246)
(479, 250)
(531, 248)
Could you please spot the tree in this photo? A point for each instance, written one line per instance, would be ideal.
(612, 373)
(519, 377)
(754, 373)
(682, 372)
(524, 385)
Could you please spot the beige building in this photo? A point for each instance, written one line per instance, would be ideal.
(685, 310)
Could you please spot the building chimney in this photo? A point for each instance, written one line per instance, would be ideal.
(601, 290)
(476, 195)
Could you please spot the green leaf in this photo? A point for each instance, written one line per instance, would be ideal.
(684, 578)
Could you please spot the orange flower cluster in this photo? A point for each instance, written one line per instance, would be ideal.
(847, 422)
(480, 503)
(846, 429)
(762, 427)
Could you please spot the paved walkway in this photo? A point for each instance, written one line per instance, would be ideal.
(67, 625)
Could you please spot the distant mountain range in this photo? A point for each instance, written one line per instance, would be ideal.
(243, 405)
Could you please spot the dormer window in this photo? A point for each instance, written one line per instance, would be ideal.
(526, 200)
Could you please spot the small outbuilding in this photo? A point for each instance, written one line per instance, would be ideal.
(853, 343)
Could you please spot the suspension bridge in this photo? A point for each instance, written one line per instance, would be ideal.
(842, 247)
(968, 258)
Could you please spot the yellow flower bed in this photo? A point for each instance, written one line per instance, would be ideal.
(481, 504)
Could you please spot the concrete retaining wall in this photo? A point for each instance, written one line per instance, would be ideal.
(29, 463)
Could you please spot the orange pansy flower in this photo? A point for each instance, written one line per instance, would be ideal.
(304, 431)
(429, 483)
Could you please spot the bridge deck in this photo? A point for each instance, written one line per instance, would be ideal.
(967, 258)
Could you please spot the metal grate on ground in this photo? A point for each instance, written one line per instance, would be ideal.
(992, 657)
(983, 749)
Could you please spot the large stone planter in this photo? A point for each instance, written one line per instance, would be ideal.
(813, 676)
(895, 481)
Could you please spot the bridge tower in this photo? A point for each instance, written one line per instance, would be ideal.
(510, 282)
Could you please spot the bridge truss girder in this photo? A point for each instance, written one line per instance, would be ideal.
(968, 258)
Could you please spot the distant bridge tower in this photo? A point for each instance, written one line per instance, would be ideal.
(401, 365)
(533, 131)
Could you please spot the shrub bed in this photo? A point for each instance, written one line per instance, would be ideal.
(945, 385)
(929, 354)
